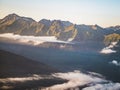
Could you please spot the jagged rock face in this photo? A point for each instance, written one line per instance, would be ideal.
(113, 29)
(89, 33)
(63, 30)
(69, 32)
(111, 38)
(27, 26)
(55, 28)
(18, 25)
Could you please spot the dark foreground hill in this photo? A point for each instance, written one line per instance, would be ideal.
(16, 71)
(14, 65)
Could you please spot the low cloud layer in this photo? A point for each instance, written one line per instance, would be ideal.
(108, 50)
(25, 79)
(109, 86)
(35, 40)
(8, 83)
(78, 79)
(20, 79)
(114, 62)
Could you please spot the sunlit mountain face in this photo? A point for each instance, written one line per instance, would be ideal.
(58, 55)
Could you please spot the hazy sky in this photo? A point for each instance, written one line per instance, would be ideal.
(102, 12)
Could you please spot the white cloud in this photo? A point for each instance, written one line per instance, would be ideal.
(25, 79)
(35, 40)
(6, 87)
(70, 39)
(108, 50)
(76, 79)
(21, 79)
(109, 86)
(114, 62)
(18, 80)
(94, 81)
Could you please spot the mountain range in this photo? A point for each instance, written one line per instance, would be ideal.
(62, 30)
(30, 50)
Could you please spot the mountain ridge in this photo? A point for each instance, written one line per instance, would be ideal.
(62, 30)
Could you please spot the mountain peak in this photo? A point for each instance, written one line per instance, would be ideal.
(67, 23)
(96, 27)
(13, 15)
(57, 23)
(9, 19)
(45, 22)
(114, 28)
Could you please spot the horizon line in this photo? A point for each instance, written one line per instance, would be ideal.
(60, 20)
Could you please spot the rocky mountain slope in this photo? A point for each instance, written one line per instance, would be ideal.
(27, 26)
(62, 30)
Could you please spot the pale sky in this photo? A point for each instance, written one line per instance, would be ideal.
(102, 12)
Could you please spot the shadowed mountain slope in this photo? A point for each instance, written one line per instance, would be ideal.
(15, 65)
